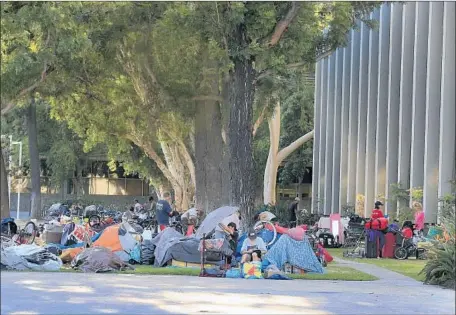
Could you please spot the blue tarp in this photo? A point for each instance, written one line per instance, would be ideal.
(296, 253)
(62, 247)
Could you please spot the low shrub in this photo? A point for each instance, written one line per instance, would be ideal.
(440, 269)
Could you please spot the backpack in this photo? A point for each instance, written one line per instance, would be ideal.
(8, 226)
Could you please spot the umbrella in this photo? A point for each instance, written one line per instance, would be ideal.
(214, 218)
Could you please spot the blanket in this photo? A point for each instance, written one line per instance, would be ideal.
(296, 253)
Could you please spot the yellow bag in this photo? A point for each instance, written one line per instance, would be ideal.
(252, 270)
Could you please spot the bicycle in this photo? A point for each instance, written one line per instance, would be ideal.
(26, 235)
(261, 224)
(103, 219)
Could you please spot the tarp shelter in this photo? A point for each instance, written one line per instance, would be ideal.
(213, 219)
(297, 253)
(120, 239)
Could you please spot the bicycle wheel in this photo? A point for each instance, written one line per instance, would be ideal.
(401, 253)
(263, 223)
(28, 233)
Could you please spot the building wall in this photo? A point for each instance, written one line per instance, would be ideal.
(120, 203)
(385, 110)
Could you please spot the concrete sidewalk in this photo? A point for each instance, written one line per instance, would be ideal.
(76, 293)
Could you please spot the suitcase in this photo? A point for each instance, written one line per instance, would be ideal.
(371, 248)
(390, 246)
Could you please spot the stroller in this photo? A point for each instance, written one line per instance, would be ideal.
(409, 245)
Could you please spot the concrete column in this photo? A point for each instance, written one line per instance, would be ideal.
(433, 101)
(382, 101)
(447, 155)
(372, 91)
(353, 117)
(419, 94)
(331, 75)
(393, 103)
(362, 110)
(346, 75)
(316, 143)
(405, 111)
(337, 132)
(322, 146)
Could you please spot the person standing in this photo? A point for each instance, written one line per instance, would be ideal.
(164, 211)
(292, 209)
(377, 212)
(419, 217)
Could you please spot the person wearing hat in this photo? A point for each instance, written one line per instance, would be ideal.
(377, 212)
(252, 248)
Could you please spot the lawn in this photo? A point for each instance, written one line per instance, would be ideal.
(334, 272)
(409, 267)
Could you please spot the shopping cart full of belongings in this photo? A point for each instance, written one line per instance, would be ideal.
(214, 249)
(355, 237)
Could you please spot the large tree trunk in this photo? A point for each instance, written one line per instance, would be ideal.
(276, 157)
(209, 151)
(272, 164)
(35, 198)
(4, 203)
(241, 96)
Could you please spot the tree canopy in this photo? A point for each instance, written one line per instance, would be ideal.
(172, 88)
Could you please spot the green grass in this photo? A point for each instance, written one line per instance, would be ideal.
(334, 272)
(409, 267)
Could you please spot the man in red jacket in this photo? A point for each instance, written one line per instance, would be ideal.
(377, 212)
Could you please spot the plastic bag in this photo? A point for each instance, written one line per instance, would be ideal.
(252, 270)
(233, 273)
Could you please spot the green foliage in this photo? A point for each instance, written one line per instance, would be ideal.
(126, 73)
(439, 270)
(297, 120)
(403, 195)
(348, 209)
(447, 215)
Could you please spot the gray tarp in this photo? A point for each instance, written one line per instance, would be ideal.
(214, 218)
(98, 259)
(163, 241)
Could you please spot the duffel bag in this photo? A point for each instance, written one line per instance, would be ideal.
(379, 224)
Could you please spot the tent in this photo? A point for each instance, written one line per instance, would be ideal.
(213, 219)
(122, 239)
(297, 253)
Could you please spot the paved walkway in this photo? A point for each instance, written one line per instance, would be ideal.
(74, 293)
(379, 272)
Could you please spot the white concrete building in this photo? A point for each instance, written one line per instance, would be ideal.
(385, 110)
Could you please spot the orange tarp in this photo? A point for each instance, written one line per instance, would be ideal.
(109, 239)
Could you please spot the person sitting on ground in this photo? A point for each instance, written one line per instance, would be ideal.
(234, 218)
(164, 211)
(253, 247)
